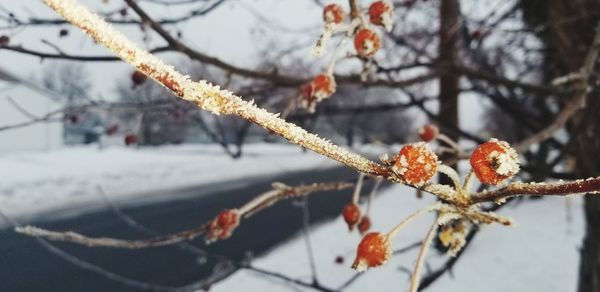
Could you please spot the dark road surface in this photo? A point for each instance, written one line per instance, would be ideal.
(26, 266)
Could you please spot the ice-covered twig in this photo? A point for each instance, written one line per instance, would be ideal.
(75, 237)
(357, 188)
(280, 191)
(416, 275)
(202, 93)
(589, 186)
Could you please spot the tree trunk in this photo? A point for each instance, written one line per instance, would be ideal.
(569, 35)
(588, 164)
(448, 98)
(448, 85)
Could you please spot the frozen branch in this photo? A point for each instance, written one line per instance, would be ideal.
(279, 192)
(589, 186)
(202, 93)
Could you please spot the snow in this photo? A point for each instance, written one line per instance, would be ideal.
(34, 183)
(539, 254)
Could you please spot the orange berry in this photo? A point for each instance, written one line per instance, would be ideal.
(223, 225)
(111, 130)
(381, 13)
(351, 214)
(366, 43)
(428, 132)
(415, 163)
(131, 139)
(138, 78)
(333, 13)
(307, 91)
(4, 40)
(323, 86)
(364, 225)
(494, 161)
(74, 119)
(373, 250)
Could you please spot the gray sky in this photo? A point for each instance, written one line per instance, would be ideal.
(232, 32)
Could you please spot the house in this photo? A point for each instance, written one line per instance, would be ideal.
(21, 102)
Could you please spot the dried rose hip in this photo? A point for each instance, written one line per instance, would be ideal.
(415, 163)
(222, 226)
(494, 162)
(373, 250)
(351, 214)
(428, 132)
(366, 43)
(333, 13)
(382, 13)
(323, 86)
(130, 139)
(138, 78)
(364, 225)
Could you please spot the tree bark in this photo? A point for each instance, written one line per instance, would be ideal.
(448, 86)
(569, 34)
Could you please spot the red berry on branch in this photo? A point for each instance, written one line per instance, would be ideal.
(415, 163)
(138, 78)
(306, 90)
(4, 40)
(382, 13)
(364, 225)
(111, 130)
(494, 162)
(476, 34)
(63, 32)
(74, 119)
(351, 214)
(333, 13)
(428, 132)
(366, 43)
(222, 226)
(130, 139)
(323, 86)
(373, 250)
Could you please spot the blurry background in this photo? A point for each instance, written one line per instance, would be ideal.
(87, 144)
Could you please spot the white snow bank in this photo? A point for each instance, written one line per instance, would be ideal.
(35, 182)
(539, 254)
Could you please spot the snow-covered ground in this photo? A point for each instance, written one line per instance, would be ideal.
(32, 183)
(540, 253)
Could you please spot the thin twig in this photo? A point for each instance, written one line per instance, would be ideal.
(262, 201)
(589, 186)
(84, 265)
(306, 234)
(416, 275)
(576, 102)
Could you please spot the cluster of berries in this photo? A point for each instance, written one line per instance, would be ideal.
(353, 217)
(493, 162)
(366, 43)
